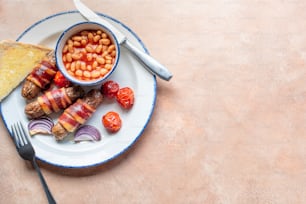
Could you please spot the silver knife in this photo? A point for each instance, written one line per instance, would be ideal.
(151, 64)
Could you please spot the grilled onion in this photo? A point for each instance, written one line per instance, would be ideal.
(42, 125)
(87, 133)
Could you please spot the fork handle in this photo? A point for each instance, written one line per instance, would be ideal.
(42, 180)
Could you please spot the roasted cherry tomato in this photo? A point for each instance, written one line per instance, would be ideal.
(109, 89)
(125, 97)
(60, 80)
(111, 121)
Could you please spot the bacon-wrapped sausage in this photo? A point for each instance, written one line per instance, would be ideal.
(40, 77)
(77, 114)
(53, 101)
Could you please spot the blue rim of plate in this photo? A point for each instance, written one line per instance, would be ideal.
(152, 105)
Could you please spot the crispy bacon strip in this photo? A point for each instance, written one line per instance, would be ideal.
(40, 77)
(43, 73)
(77, 114)
(53, 101)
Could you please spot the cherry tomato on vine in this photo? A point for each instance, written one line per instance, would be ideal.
(125, 97)
(111, 121)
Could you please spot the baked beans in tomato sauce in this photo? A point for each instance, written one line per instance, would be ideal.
(89, 55)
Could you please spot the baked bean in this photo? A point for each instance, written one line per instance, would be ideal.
(103, 71)
(113, 54)
(89, 67)
(89, 54)
(99, 49)
(111, 48)
(104, 47)
(87, 74)
(95, 74)
(90, 36)
(78, 64)
(104, 54)
(77, 38)
(100, 60)
(72, 66)
(64, 58)
(104, 35)
(88, 48)
(68, 57)
(105, 41)
(96, 38)
(67, 65)
(83, 66)
(76, 43)
(71, 48)
(94, 64)
(83, 42)
(76, 56)
(108, 57)
(89, 57)
(108, 66)
(79, 72)
(70, 42)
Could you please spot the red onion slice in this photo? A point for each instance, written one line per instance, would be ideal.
(41, 125)
(87, 133)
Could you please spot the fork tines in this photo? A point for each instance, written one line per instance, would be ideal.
(19, 134)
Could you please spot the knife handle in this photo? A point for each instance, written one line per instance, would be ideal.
(151, 64)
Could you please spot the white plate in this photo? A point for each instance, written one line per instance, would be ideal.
(128, 73)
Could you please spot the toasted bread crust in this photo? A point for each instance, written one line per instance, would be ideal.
(17, 60)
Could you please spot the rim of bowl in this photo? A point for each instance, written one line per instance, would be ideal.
(62, 41)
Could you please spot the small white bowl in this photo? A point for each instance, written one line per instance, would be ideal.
(72, 31)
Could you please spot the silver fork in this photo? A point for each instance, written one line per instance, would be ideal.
(26, 151)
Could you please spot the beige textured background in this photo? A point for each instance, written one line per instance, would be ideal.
(228, 128)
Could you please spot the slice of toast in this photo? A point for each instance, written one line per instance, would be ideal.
(17, 60)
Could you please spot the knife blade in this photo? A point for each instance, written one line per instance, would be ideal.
(150, 63)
